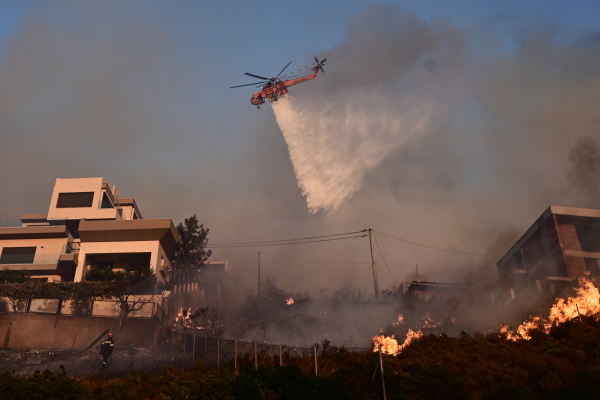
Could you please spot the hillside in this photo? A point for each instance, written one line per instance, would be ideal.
(563, 364)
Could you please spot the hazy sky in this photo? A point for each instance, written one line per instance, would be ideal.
(453, 124)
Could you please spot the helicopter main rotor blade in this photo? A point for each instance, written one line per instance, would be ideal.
(283, 70)
(322, 70)
(256, 76)
(316, 59)
(293, 72)
(250, 84)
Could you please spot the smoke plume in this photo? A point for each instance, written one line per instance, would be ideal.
(584, 170)
(420, 128)
(331, 147)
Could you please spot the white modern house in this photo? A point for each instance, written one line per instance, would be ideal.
(88, 224)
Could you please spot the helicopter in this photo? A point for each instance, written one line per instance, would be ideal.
(273, 88)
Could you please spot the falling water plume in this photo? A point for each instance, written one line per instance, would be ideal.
(333, 143)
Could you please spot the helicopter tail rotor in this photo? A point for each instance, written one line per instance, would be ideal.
(319, 65)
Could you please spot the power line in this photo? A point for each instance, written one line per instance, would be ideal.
(377, 243)
(329, 261)
(323, 261)
(288, 240)
(437, 248)
(281, 244)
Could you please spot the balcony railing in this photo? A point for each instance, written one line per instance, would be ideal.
(72, 247)
(10, 223)
(30, 259)
(17, 223)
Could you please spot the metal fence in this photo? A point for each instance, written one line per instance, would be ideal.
(188, 350)
(179, 351)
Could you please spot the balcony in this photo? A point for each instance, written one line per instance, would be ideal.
(42, 264)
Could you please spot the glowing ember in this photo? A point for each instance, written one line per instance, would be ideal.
(429, 323)
(400, 320)
(587, 299)
(183, 319)
(290, 301)
(390, 346)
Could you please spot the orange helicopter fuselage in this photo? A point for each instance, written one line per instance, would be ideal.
(273, 91)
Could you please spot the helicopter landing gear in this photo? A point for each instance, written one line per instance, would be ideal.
(258, 107)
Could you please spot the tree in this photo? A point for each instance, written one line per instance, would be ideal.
(18, 294)
(136, 279)
(192, 251)
(209, 321)
(14, 276)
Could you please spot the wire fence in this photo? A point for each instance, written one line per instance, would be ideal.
(224, 352)
(179, 351)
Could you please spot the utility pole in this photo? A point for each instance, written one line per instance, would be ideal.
(417, 268)
(382, 381)
(375, 282)
(259, 274)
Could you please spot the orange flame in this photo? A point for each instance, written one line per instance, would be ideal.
(587, 299)
(183, 319)
(400, 320)
(429, 323)
(390, 346)
(290, 301)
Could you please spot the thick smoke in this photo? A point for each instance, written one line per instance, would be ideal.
(332, 145)
(405, 95)
(584, 170)
(419, 129)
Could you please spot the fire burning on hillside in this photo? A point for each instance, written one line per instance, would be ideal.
(585, 303)
(184, 318)
(400, 320)
(390, 346)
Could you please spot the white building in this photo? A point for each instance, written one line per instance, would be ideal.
(88, 225)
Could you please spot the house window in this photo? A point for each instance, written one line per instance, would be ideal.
(106, 203)
(17, 255)
(75, 200)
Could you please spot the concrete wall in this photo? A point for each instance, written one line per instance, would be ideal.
(41, 331)
(81, 185)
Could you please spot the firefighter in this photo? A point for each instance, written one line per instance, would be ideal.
(106, 350)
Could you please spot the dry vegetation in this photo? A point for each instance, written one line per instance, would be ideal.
(563, 364)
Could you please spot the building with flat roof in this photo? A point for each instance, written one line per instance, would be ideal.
(448, 293)
(560, 248)
(88, 225)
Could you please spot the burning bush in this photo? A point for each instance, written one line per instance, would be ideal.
(585, 303)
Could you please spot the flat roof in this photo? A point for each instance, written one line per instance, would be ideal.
(579, 212)
(162, 230)
(552, 210)
(34, 232)
(130, 202)
(36, 217)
